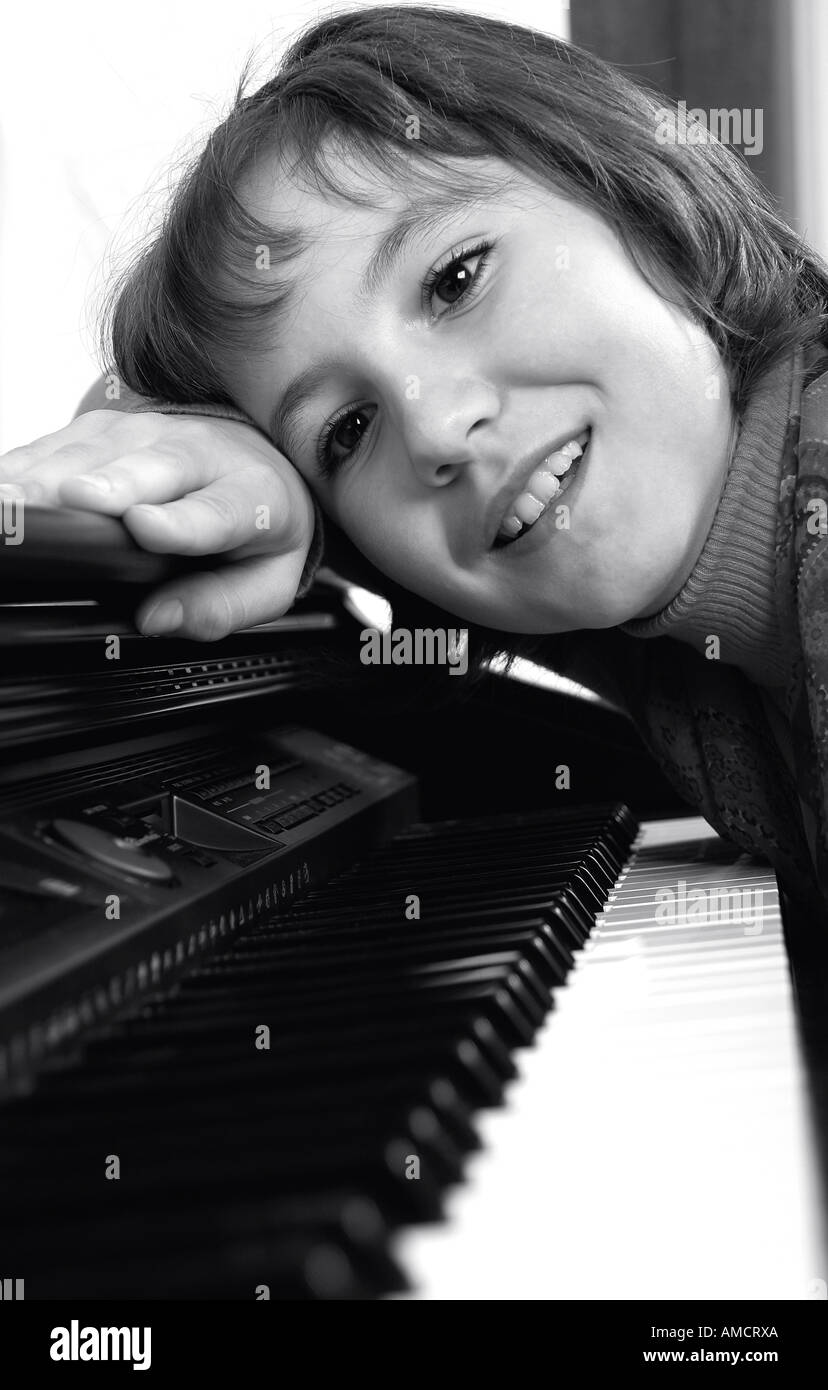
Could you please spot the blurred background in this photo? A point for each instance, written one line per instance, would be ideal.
(99, 104)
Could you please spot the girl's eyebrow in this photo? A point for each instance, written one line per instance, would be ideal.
(300, 390)
(422, 220)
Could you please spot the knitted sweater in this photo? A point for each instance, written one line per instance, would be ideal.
(732, 591)
(743, 737)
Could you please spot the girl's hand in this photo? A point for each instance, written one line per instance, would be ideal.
(185, 485)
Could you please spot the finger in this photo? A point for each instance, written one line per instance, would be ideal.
(17, 462)
(230, 512)
(77, 434)
(86, 474)
(38, 494)
(37, 462)
(145, 477)
(84, 449)
(211, 605)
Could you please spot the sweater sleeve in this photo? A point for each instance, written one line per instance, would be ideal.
(217, 410)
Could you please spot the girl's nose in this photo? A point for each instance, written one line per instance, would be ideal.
(443, 426)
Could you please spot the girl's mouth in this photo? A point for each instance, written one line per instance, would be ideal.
(551, 484)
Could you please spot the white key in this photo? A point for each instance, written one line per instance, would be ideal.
(658, 1142)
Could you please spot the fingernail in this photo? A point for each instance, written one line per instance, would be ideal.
(165, 617)
(95, 480)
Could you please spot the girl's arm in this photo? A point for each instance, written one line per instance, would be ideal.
(200, 480)
(130, 402)
(97, 398)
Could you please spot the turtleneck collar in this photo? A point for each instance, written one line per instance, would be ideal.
(730, 592)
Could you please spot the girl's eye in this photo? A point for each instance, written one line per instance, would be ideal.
(452, 282)
(342, 438)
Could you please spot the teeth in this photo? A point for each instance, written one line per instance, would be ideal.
(570, 452)
(528, 507)
(543, 485)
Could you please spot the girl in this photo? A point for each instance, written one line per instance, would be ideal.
(550, 374)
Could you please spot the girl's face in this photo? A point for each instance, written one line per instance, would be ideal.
(434, 394)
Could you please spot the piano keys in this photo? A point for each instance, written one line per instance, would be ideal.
(662, 1141)
(287, 1116)
(266, 1120)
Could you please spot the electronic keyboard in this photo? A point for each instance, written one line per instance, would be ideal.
(267, 1077)
(308, 991)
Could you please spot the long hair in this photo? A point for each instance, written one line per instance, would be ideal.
(471, 86)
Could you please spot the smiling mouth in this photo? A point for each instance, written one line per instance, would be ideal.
(514, 528)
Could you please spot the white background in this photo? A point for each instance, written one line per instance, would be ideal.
(96, 102)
